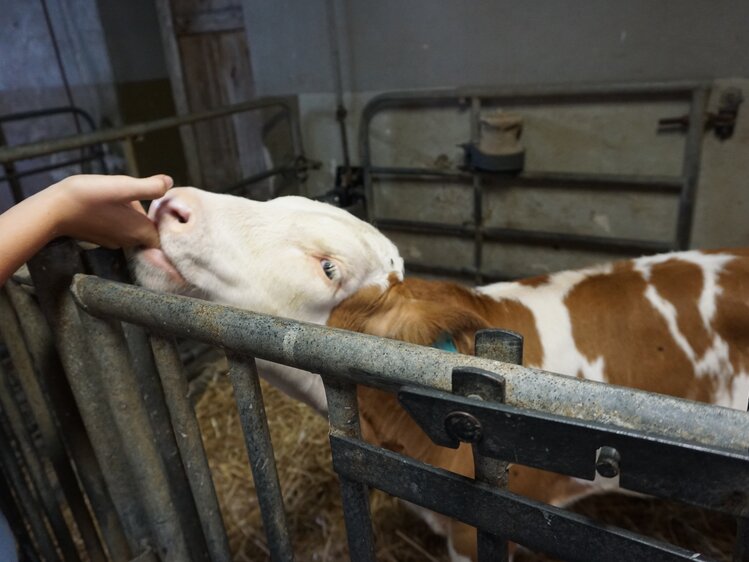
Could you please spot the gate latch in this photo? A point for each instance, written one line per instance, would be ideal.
(722, 123)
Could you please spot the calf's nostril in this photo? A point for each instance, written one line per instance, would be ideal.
(182, 214)
(174, 208)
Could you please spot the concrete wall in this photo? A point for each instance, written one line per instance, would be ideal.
(389, 45)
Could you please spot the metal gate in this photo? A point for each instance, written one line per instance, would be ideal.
(681, 187)
(144, 491)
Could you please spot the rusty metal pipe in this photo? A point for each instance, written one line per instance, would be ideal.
(249, 398)
(40, 345)
(187, 432)
(389, 364)
(52, 270)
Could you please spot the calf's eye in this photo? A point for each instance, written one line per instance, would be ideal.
(329, 268)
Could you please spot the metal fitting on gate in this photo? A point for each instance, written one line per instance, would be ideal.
(463, 427)
(607, 462)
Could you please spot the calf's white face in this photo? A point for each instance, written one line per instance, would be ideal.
(290, 256)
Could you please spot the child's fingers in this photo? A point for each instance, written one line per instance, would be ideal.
(132, 189)
(126, 188)
(138, 230)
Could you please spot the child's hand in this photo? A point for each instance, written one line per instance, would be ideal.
(106, 210)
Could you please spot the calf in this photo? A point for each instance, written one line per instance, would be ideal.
(676, 324)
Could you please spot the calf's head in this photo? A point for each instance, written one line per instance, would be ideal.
(289, 257)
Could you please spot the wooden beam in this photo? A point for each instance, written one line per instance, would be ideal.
(177, 79)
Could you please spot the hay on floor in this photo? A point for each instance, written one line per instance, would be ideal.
(309, 484)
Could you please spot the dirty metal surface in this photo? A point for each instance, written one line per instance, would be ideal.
(390, 364)
(716, 478)
(537, 525)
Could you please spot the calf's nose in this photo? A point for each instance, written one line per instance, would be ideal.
(174, 209)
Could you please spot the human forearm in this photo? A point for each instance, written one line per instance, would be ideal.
(24, 230)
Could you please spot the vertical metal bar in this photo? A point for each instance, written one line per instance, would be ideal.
(741, 546)
(51, 440)
(28, 504)
(51, 271)
(9, 168)
(112, 264)
(507, 346)
(131, 160)
(691, 166)
(36, 469)
(176, 530)
(52, 377)
(247, 392)
(190, 444)
(478, 212)
(343, 413)
(9, 507)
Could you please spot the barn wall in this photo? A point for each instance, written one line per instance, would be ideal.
(426, 44)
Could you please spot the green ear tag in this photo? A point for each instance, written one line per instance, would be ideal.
(445, 343)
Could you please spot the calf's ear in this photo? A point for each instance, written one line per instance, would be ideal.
(408, 318)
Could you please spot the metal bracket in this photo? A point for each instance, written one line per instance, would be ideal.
(722, 122)
(646, 463)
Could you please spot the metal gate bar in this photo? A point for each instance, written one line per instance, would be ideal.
(505, 346)
(10, 509)
(35, 469)
(296, 164)
(39, 341)
(26, 499)
(683, 186)
(75, 355)
(387, 364)
(390, 364)
(546, 528)
(343, 416)
(53, 447)
(113, 265)
(187, 432)
(248, 395)
(172, 516)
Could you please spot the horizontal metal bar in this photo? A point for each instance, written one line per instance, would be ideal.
(49, 112)
(618, 182)
(583, 241)
(534, 524)
(389, 364)
(571, 93)
(24, 151)
(236, 188)
(55, 166)
(716, 478)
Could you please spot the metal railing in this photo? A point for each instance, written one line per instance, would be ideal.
(682, 187)
(128, 135)
(145, 475)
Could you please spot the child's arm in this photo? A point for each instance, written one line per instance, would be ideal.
(100, 209)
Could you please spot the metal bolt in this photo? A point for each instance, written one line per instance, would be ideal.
(463, 427)
(607, 462)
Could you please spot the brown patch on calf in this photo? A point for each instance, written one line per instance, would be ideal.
(612, 318)
(680, 283)
(535, 281)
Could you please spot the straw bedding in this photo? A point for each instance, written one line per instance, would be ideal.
(313, 502)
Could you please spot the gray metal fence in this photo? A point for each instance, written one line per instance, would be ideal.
(126, 428)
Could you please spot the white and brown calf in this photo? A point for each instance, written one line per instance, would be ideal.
(675, 324)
